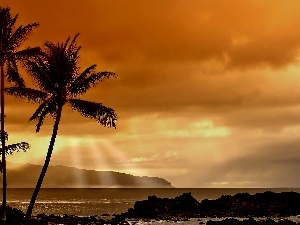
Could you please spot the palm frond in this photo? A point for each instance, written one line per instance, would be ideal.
(18, 147)
(40, 73)
(4, 11)
(86, 80)
(13, 21)
(42, 107)
(73, 49)
(28, 53)
(46, 108)
(64, 45)
(10, 23)
(73, 44)
(6, 25)
(39, 115)
(71, 57)
(29, 94)
(51, 47)
(20, 35)
(62, 64)
(41, 119)
(5, 136)
(11, 39)
(12, 74)
(87, 72)
(102, 114)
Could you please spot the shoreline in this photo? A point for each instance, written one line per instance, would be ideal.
(267, 207)
(92, 220)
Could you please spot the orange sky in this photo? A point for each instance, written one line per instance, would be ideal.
(207, 92)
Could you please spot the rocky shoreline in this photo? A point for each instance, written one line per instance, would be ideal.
(267, 205)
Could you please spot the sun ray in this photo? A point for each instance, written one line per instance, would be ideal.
(101, 164)
(125, 165)
(91, 152)
(75, 157)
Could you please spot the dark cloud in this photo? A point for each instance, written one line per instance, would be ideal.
(247, 33)
(159, 52)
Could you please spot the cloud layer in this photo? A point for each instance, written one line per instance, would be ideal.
(204, 88)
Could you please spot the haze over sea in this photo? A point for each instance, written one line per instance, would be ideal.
(97, 201)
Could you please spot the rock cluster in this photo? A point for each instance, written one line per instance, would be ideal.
(162, 208)
(250, 221)
(268, 204)
(13, 213)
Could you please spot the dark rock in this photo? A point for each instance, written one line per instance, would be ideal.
(250, 221)
(163, 208)
(230, 221)
(258, 205)
(268, 204)
(13, 213)
(42, 216)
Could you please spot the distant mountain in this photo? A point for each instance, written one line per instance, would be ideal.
(70, 177)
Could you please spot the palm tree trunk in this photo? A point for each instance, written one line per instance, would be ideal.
(3, 161)
(3, 215)
(46, 164)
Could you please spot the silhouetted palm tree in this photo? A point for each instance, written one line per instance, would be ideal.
(10, 40)
(56, 73)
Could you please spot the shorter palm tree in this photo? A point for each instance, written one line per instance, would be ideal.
(56, 74)
(9, 150)
(12, 148)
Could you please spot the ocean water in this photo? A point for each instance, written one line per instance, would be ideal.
(99, 201)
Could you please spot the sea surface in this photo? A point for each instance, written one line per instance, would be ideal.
(99, 201)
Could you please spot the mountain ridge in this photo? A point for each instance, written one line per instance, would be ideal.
(60, 176)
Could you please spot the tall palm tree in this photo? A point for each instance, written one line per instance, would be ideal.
(56, 74)
(10, 40)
